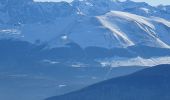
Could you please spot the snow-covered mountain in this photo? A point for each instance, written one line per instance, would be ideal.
(53, 47)
(130, 29)
(100, 23)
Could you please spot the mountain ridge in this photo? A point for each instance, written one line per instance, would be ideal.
(80, 22)
(149, 83)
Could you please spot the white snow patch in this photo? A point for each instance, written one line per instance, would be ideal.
(50, 61)
(89, 4)
(78, 64)
(132, 17)
(62, 85)
(10, 31)
(138, 61)
(64, 37)
(161, 20)
(116, 32)
(145, 10)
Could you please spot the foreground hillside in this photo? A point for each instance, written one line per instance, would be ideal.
(149, 84)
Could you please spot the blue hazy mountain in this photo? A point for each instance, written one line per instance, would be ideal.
(33, 71)
(49, 48)
(148, 84)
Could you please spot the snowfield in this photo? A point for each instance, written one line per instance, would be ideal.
(138, 61)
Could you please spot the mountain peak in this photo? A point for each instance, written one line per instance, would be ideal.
(96, 7)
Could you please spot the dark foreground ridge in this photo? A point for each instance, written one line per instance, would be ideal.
(149, 84)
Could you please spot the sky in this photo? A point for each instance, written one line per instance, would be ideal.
(152, 2)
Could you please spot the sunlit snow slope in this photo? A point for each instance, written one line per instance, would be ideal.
(128, 29)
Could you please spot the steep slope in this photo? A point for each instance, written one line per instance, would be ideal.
(107, 31)
(130, 29)
(148, 84)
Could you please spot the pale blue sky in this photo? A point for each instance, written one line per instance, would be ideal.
(152, 2)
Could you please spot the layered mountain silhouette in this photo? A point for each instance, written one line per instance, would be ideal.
(51, 48)
(148, 84)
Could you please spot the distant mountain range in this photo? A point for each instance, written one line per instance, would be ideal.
(148, 84)
(54, 46)
(101, 23)
(102, 29)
